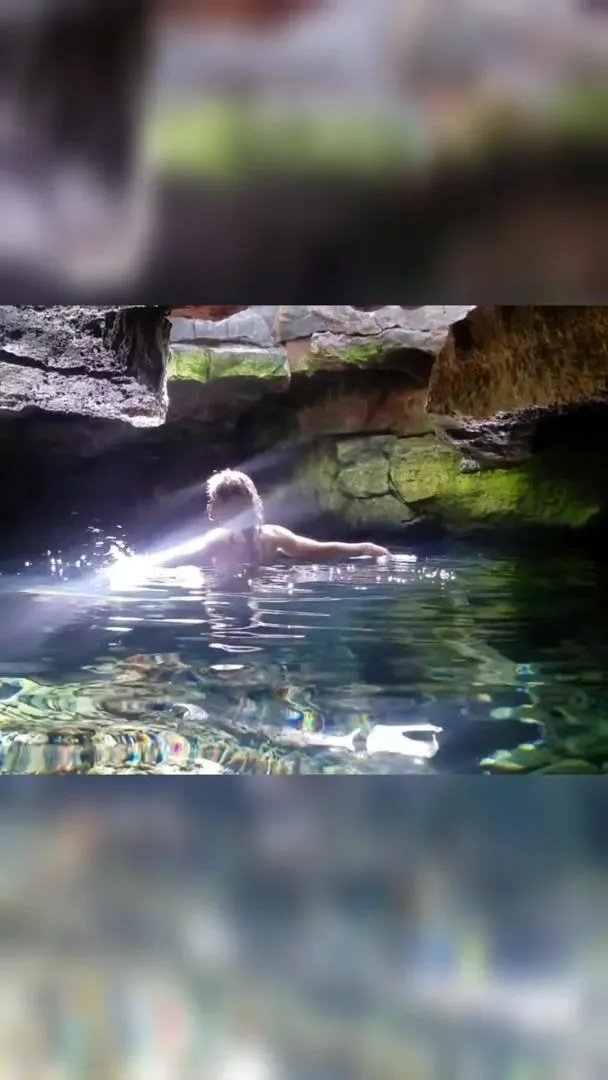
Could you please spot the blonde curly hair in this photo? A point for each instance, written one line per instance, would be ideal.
(229, 485)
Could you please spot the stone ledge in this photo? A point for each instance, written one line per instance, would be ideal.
(317, 338)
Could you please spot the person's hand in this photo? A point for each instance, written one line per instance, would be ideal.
(374, 551)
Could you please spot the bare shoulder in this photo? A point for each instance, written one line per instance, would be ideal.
(274, 532)
(217, 534)
(272, 536)
(212, 541)
(214, 538)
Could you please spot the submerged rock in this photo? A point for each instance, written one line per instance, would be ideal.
(96, 362)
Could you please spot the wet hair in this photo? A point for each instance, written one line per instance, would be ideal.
(230, 484)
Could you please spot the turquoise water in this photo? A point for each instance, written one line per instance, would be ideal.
(425, 665)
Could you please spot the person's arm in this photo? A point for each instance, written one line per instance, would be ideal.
(193, 551)
(301, 547)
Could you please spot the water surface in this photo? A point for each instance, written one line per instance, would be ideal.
(452, 662)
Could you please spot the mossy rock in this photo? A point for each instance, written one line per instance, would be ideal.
(425, 477)
(351, 451)
(322, 475)
(189, 364)
(397, 349)
(589, 743)
(528, 757)
(429, 477)
(536, 493)
(536, 758)
(316, 476)
(329, 351)
(365, 478)
(570, 766)
(205, 365)
(378, 512)
(319, 470)
(249, 363)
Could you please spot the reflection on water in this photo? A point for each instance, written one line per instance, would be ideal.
(447, 663)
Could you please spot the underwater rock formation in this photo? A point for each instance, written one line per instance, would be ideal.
(108, 363)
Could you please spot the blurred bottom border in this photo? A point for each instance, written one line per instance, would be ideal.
(263, 927)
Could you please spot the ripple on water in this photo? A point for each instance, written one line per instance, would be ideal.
(433, 665)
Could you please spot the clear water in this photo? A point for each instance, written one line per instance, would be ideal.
(426, 666)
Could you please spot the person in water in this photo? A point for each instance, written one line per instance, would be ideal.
(240, 538)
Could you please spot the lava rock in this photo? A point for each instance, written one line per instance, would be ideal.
(108, 363)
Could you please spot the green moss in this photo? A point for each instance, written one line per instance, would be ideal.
(249, 364)
(524, 758)
(569, 765)
(364, 478)
(536, 493)
(582, 113)
(321, 476)
(224, 140)
(537, 758)
(317, 476)
(204, 365)
(384, 510)
(426, 475)
(323, 357)
(191, 364)
(351, 450)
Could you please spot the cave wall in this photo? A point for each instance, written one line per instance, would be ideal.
(492, 421)
(538, 471)
(106, 362)
(315, 369)
(483, 360)
(438, 418)
(505, 358)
